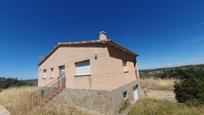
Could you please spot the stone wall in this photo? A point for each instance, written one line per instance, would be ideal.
(118, 98)
(102, 101)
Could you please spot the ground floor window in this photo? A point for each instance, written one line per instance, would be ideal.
(125, 94)
(83, 68)
(45, 73)
(52, 73)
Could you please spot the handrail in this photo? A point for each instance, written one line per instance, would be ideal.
(41, 94)
(45, 86)
(45, 90)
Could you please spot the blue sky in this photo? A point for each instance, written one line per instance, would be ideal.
(163, 32)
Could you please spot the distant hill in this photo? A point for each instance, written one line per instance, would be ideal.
(31, 82)
(13, 82)
(174, 72)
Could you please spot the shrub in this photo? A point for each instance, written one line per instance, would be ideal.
(190, 91)
(124, 105)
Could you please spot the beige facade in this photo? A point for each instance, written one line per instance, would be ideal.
(111, 65)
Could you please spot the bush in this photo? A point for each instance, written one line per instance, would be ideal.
(190, 91)
(124, 105)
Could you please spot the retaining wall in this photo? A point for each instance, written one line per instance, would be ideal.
(102, 101)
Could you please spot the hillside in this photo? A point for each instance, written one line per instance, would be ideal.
(13, 82)
(174, 72)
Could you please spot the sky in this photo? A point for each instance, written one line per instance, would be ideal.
(164, 33)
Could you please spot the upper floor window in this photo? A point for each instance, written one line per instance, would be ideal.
(83, 68)
(125, 69)
(45, 73)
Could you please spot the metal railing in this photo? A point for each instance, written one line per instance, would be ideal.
(51, 89)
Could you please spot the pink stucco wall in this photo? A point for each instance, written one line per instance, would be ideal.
(106, 70)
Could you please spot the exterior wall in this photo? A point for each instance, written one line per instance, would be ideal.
(106, 70)
(102, 91)
(100, 101)
(68, 56)
(118, 76)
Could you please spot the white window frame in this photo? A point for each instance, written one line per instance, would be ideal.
(125, 68)
(81, 69)
(44, 73)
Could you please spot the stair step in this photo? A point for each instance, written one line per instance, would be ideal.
(55, 91)
(51, 96)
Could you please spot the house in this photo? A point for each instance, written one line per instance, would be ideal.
(96, 74)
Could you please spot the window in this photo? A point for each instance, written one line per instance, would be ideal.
(125, 66)
(52, 73)
(45, 73)
(83, 68)
(125, 94)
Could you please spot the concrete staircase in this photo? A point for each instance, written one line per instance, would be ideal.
(51, 95)
(45, 94)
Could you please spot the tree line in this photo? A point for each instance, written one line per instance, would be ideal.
(183, 72)
(13, 82)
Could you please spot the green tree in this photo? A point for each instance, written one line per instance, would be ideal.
(190, 90)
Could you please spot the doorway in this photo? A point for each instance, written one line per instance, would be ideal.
(62, 75)
(135, 93)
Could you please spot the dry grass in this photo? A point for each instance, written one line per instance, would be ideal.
(158, 84)
(17, 101)
(164, 107)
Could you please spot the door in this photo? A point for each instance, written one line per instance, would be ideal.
(62, 72)
(62, 75)
(136, 93)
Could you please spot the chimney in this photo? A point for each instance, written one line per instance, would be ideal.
(102, 36)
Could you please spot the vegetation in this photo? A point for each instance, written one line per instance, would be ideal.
(13, 82)
(17, 101)
(158, 84)
(182, 72)
(124, 105)
(191, 90)
(164, 107)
